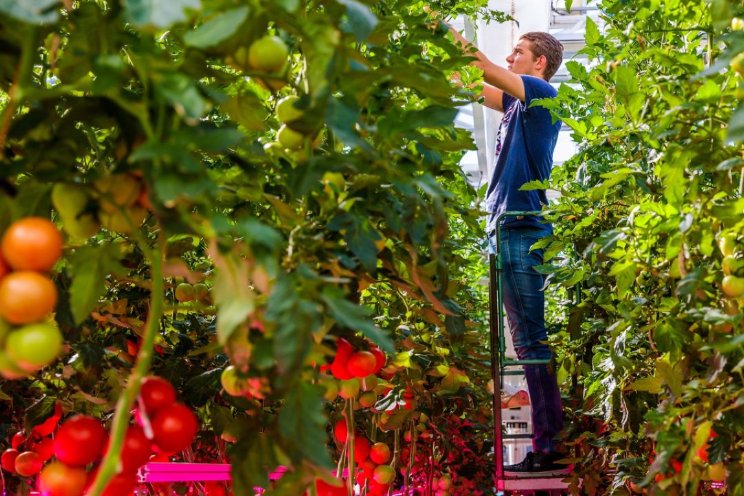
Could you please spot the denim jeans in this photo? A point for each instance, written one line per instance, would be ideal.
(524, 304)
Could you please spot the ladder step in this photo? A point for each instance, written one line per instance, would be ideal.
(516, 436)
(542, 483)
(508, 363)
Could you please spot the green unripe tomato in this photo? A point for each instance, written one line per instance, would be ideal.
(9, 369)
(232, 383)
(201, 292)
(117, 191)
(349, 389)
(286, 110)
(268, 54)
(289, 138)
(184, 292)
(727, 243)
(733, 286)
(737, 64)
(123, 221)
(737, 24)
(34, 346)
(70, 201)
(368, 399)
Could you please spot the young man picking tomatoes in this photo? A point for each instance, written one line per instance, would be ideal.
(525, 142)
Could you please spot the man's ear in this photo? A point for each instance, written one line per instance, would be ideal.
(542, 63)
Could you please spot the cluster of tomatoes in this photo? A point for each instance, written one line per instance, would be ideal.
(164, 427)
(349, 363)
(29, 339)
(371, 459)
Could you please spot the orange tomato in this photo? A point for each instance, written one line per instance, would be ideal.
(32, 243)
(4, 269)
(26, 297)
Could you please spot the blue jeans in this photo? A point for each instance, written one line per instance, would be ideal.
(524, 304)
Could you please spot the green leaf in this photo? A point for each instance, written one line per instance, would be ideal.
(158, 14)
(302, 422)
(710, 91)
(624, 273)
(295, 319)
(626, 82)
(31, 11)
(217, 29)
(181, 92)
(89, 266)
(592, 34)
(361, 19)
(648, 384)
(247, 110)
(356, 318)
(232, 293)
(736, 126)
(39, 411)
(341, 119)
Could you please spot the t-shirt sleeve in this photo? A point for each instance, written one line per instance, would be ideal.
(536, 88)
(506, 100)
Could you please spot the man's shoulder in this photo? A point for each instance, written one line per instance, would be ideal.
(537, 87)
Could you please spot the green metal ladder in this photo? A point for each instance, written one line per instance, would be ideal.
(499, 368)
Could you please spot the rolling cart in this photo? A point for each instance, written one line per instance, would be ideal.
(502, 366)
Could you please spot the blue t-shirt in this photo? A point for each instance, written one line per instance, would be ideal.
(525, 154)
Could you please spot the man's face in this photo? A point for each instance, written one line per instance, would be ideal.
(523, 61)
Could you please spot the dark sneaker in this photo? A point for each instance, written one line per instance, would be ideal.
(537, 465)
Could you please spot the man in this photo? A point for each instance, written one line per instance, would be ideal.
(525, 142)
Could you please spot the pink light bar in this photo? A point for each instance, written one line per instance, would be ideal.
(191, 472)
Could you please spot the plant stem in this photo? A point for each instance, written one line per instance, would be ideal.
(15, 93)
(110, 463)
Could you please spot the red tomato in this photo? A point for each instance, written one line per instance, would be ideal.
(326, 489)
(44, 447)
(122, 484)
(343, 352)
(214, 488)
(174, 428)
(8, 458)
(361, 449)
(380, 358)
(32, 243)
(57, 479)
(340, 430)
(80, 431)
(47, 427)
(361, 364)
(377, 489)
(379, 453)
(28, 463)
(18, 439)
(136, 450)
(156, 393)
